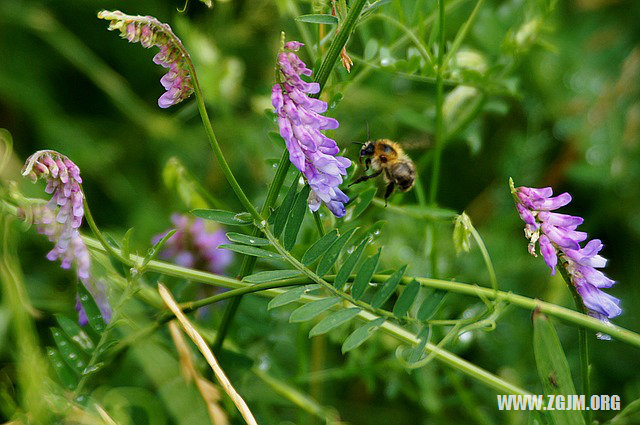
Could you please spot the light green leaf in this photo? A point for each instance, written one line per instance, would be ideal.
(290, 296)
(388, 288)
(64, 372)
(462, 233)
(316, 250)
(361, 334)
(70, 353)
(250, 250)
(225, 217)
(334, 320)
(282, 213)
(247, 239)
(408, 296)
(553, 368)
(347, 267)
(318, 19)
(75, 333)
(271, 275)
(371, 49)
(361, 282)
(313, 309)
(295, 219)
(363, 201)
(332, 254)
(91, 308)
(431, 304)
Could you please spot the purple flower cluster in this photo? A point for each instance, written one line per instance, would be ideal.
(557, 237)
(150, 32)
(194, 246)
(301, 125)
(61, 217)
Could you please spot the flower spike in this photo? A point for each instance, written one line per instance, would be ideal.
(61, 217)
(150, 32)
(301, 123)
(558, 239)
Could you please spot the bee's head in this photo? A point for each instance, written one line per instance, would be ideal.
(367, 150)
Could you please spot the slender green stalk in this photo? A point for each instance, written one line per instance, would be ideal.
(440, 130)
(338, 43)
(215, 146)
(409, 33)
(457, 41)
(583, 341)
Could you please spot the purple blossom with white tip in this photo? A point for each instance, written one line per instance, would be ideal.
(558, 238)
(172, 55)
(301, 123)
(60, 218)
(195, 246)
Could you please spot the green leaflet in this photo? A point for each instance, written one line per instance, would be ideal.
(347, 267)
(243, 239)
(388, 288)
(553, 368)
(64, 372)
(318, 19)
(313, 309)
(361, 282)
(91, 308)
(408, 296)
(282, 213)
(225, 217)
(363, 201)
(290, 296)
(75, 333)
(431, 304)
(361, 334)
(271, 275)
(70, 353)
(332, 254)
(251, 250)
(334, 320)
(316, 250)
(295, 219)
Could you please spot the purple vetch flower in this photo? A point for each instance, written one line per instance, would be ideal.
(60, 218)
(558, 238)
(172, 55)
(301, 123)
(194, 246)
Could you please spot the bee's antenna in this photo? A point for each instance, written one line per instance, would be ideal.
(358, 143)
(368, 134)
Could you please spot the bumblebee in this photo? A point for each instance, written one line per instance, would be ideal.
(385, 156)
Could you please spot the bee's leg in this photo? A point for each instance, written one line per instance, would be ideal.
(367, 164)
(364, 178)
(389, 191)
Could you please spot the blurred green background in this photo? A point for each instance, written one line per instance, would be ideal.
(557, 103)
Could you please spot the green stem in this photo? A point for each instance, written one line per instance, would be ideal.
(583, 341)
(338, 43)
(409, 33)
(440, 131)
(215, 146)
(462, 33)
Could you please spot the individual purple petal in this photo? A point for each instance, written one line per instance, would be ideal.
(596, 277)
(561, 220)
(536, 193)
(599, 302)
(563, 237)
(293, 45)
(549, 204)
(526, 215)
(548, 253)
